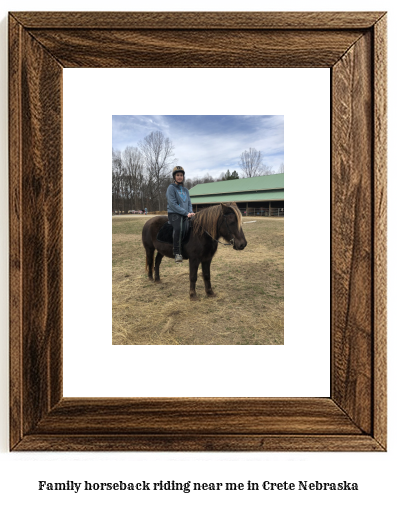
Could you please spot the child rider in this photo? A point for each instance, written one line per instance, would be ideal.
(179, 206)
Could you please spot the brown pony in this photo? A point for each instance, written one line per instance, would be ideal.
(209, 224)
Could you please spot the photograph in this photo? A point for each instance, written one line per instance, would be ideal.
(198, 229)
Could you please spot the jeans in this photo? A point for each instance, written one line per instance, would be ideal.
(176, 221)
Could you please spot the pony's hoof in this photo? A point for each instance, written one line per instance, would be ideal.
(211, 294)
(157, 281)
(193, 297)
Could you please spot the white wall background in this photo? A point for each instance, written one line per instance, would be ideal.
(20, 473)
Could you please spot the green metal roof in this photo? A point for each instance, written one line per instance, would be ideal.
(271, 182)
(277, 195)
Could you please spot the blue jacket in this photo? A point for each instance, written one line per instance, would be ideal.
(178, 200)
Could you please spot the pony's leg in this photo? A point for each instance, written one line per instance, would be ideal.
(193, 267)
(159, 256)
(205, 265)
(149, 262)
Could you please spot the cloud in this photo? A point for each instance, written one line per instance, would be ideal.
(207, 144)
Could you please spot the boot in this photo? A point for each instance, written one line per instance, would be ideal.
(178, 258)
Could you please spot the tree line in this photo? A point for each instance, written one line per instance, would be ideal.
(142, 174)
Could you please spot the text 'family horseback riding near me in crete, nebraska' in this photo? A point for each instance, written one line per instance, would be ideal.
(189, 486)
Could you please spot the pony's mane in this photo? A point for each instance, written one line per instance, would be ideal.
(207, 219)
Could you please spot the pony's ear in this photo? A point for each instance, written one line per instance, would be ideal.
(225, 207)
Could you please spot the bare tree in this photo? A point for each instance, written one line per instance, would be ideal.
(207, 178)
(166, 182)
(158, 154)
(281, 168)
(252, 165)
(133, 174)
(189, 183)
(117, 175)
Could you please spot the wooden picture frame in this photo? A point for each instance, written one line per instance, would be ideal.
(353, 46)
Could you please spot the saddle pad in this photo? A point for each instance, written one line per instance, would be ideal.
(165, 233)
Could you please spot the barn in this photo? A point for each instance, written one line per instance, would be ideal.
(262, 195)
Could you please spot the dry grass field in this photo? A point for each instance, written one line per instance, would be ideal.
(249, 285)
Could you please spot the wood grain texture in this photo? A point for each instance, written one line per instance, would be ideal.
(353, 45)
(202, 416)
(200, 20)
(196, 48)
(15, 229)
(352, 232)
(36, 244)
(41, 170)
(380, 229)
(199, 443)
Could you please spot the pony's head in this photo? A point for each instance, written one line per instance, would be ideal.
(222, 220)
(231, 226)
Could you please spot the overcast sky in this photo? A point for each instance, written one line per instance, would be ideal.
(207, 144)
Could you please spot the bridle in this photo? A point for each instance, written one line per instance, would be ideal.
(229, 231)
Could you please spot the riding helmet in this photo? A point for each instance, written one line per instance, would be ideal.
(178, 169)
